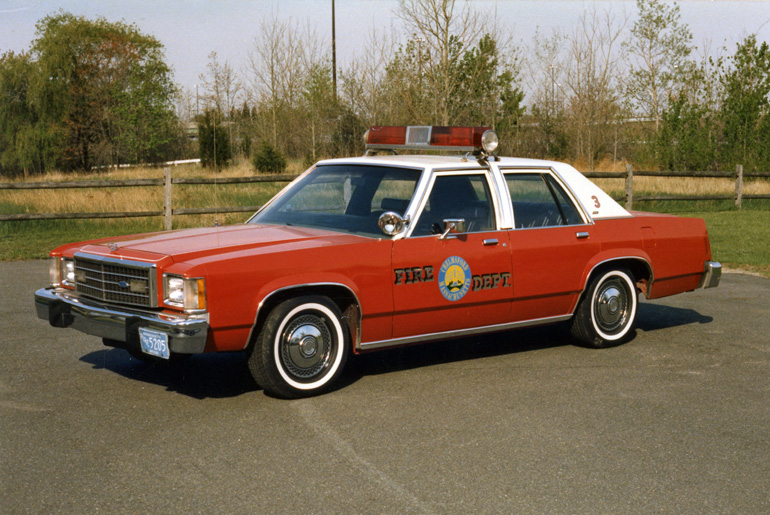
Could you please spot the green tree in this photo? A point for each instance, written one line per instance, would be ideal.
(26, 146)
(213, 141)
(745, 104)
(484, 88)
(487, 92)
(105, 86)
(407, 89)
(320, 107)
(685, 139)
(268, 159)
(593, 112)
(659, 50)
(442, 33)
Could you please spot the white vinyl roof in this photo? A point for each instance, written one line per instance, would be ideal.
(595, 201)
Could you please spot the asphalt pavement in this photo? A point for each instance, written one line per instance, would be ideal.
(675, 421)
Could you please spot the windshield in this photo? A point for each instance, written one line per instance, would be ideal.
(344, 198)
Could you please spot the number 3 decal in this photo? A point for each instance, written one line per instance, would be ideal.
(596, 201)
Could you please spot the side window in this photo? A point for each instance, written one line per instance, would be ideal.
(457, 196)
(539, 201)
(569, 212)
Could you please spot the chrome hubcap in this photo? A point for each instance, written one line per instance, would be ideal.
(612, 306)
(306, 347)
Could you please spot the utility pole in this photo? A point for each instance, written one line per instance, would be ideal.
(334, 54)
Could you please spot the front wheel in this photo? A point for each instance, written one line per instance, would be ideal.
(607, 310)
(301, 348)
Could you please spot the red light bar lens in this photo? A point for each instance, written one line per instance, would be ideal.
(386, 136)
(457, 136)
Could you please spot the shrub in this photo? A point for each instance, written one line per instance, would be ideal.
(268, 159)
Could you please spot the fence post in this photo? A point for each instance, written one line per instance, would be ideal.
(738, 186)
(167, 222)
(629, 186)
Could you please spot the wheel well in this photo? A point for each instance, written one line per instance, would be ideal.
(344, 299)
(640, 269)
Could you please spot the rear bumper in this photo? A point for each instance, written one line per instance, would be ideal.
(711, 275)
(63, 308)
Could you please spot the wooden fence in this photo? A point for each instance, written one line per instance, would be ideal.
(167, 183)
(629, 175)
(169, 212)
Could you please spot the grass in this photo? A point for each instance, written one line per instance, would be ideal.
(739, 239)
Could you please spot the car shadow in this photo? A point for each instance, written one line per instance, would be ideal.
(652, 317)
(227, 375)
(206, 376)
(459, 349)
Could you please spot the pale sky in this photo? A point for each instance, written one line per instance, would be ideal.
(192, 29)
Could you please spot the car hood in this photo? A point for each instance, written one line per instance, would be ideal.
(187, 244)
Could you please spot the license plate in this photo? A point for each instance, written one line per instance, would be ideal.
(154, 343)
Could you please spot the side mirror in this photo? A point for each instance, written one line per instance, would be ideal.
(390, 223)
(453, 226)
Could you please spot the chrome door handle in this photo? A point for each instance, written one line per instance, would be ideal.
(582, 235)
(489, 242)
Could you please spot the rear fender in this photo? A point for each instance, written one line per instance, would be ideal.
(636, 260)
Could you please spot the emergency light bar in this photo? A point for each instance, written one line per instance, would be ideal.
(465, 139)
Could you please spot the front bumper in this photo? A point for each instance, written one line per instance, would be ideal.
(64, 308)
(711, 275)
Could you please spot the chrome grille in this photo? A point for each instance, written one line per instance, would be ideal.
(114, 280)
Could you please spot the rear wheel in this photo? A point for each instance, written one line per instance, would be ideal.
(301, 349)
(607, 311)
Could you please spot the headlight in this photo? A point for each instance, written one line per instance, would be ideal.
(186, 293)
(61, 272)
(68, 272)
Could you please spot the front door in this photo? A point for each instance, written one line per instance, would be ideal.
(458, 282)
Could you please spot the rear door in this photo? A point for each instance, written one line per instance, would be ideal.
(551, 244)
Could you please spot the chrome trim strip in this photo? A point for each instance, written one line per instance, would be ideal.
(712, 275)
(552, 227)
(395, 342)
(187, 333)
(294, 287)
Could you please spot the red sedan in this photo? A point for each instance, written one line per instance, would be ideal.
(381, 251)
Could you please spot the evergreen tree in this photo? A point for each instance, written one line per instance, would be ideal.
(213, 141)
(268, 159)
